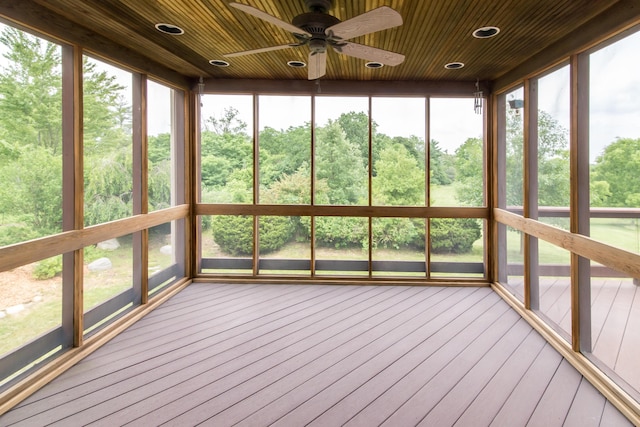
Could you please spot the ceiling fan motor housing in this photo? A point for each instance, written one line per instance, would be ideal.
(315, 23)
(321, 6)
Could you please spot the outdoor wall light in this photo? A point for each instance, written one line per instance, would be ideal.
(516, 104)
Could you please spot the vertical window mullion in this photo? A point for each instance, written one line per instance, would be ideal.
(579, 202)
(140, 187)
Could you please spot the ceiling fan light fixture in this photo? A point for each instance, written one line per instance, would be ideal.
(374, 65)
(296, 64)
(485, 32)
(219, 63)
(171, 29)
(454, 65)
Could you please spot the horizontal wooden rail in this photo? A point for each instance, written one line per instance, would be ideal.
(610, 256)
(348, 211)
(563, 212)
(38, 249)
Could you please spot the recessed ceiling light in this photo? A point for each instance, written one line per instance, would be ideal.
(454, 65)
(170, 29)
(296, 64)
(485, 32)
(374, 65)
(219, 63)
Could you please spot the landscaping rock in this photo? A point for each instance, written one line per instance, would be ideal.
(100, 264)
(2, 314)
(15, 309)
(166, 250)
(109, 245)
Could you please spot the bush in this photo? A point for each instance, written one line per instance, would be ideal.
(16, 233)
(454, 235)
(275, 232)
(48, 268)
(234, 234)
(341, 232)
(397, 233)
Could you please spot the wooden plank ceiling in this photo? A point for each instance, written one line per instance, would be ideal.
(435, 32)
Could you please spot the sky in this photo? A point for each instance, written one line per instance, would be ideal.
(614, 109)
(453, 120)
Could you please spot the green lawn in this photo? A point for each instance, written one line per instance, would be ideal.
(37, 318)
(16, 329)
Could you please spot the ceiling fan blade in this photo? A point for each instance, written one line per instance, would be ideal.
(369, 22)
(317, 65)
(263, 49)
(369, 53)
(271, 19)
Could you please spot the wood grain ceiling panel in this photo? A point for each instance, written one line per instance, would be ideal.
(434, 33)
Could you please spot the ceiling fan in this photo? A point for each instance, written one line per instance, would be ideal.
(318, 29)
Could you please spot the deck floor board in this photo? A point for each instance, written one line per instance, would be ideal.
(322, 355)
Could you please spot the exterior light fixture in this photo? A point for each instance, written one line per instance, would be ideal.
(296, 64)
(485, 32)
(454, 65)
(170, 29)
(219, 63)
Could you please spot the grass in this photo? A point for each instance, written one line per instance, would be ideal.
(444, 195)
(17, 329)
(38, 318)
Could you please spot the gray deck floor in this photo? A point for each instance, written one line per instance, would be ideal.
(288, 355)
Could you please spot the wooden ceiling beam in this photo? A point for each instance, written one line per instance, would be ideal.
(344, 87)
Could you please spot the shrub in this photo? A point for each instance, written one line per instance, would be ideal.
(341, 232)
(48, 268)
(397, 233)
(275, 232)
(454, 235)
(15, 233)
(234, 234)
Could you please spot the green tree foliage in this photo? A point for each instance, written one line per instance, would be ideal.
(342, 232)
(339, 163)
(553, 162)
(399, 180)
(107, 117)
(468, 164)
(31, 88)
(615, 175)
(283, 152)
(30, 138)
(454, 235)
(355, 126)
(226, 155)
(234, 234)
(441, 165)
(159, 181)
(31, 193)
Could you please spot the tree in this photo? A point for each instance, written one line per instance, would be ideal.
(283, 152)
(226, 160)
(440, 165)
(618, 167)
(469, 172)
(355, 126)
(31, 88)
(399, 181)
(339, 163)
